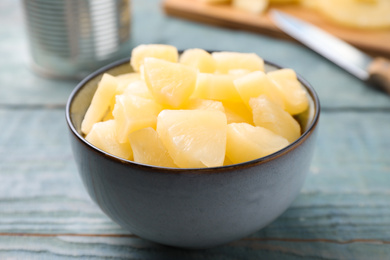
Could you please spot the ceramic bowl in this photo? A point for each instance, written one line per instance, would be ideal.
(190, 208)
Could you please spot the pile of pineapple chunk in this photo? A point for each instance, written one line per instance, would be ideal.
(365, 14)
(194, 110)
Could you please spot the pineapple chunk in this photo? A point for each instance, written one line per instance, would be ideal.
(103, 136)
(100, 102)
(310, 4)
(217, 87)
(148, 148)
(227, 161)
(125, 79)
(237, 112)
(271, 116)
(366, 14)
(194, 138)
(160, 51)
(255, 84)
(132, 113)
(204, 104)
(368, 1)
(246, 142)
(293, 94)
(239, 72)
(170, 83)
(226, 61)
(215, 1)
(285, 1)
(138, 88)
(251, 6)
(107, 116)
(199, 59)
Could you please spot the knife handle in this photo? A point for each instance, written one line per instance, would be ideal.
(379, 71)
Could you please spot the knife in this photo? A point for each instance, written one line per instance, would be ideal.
(371, 70)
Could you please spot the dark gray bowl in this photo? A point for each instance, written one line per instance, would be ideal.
(190, 208)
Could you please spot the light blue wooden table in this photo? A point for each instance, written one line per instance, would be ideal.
(342, 212)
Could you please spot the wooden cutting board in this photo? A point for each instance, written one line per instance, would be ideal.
(374, 42)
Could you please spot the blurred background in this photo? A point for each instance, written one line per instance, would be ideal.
(70, 39)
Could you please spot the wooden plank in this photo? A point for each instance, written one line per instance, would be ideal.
(339, 218)
(345, 201)
(372, 41)
(104, 247)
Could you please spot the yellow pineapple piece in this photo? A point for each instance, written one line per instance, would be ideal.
(131, 76)
(108, 115)
(170, 83)
(194, 138)
(215, 1)
(103, 136)
(204, 104)
(293, 94)
(251, 6)
(132, 113)
(226, 61)
(365, 14)
(255, 84)
(227, 161)
(217, 87)
(284, 1)
(160, 51)
(138, 88)
(311, 4)
(271, 116)
(237, 112)
(100, 102)
(148, 148)
(246, 142)
(239, 72)
(199, 59)
(125, 79)
(368, 1)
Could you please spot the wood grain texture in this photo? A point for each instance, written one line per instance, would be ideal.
(81, 247)
(374, 41)
(343, 211)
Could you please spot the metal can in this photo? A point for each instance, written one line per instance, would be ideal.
(72, 38)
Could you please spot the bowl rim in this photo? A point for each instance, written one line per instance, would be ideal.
(212, 170)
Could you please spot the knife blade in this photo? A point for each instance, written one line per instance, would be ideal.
(372, 70)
